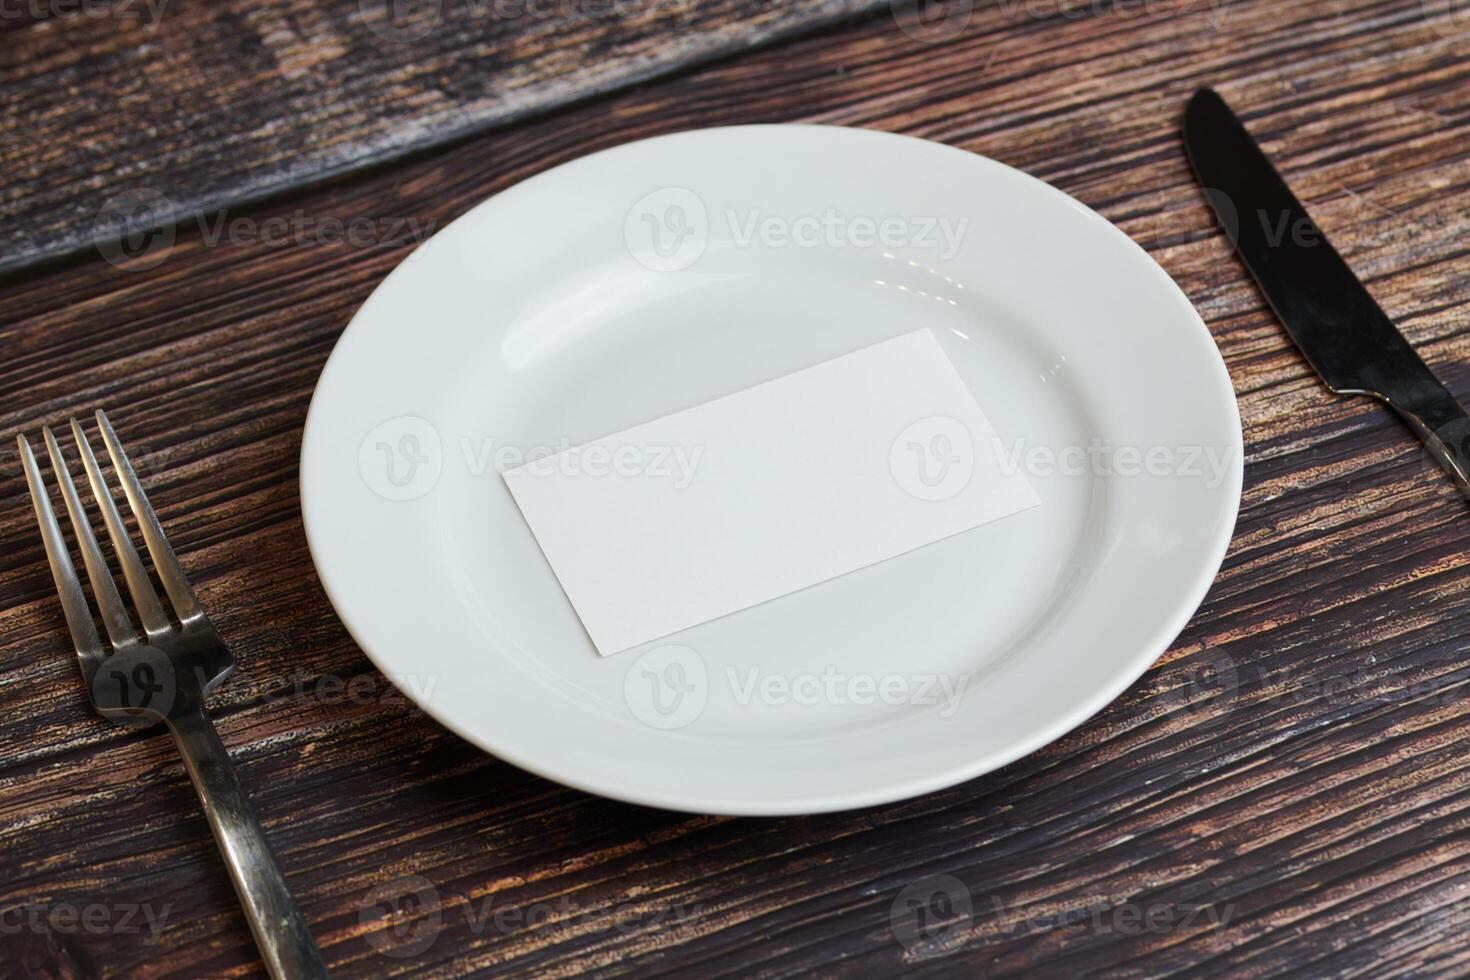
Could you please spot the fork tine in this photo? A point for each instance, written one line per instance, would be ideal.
(114, 617)
(73, 599)
(139, 586)
(174, 582)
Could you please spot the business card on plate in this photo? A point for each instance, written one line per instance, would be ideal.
(767, 491)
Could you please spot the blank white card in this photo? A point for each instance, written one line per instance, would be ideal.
(767, 491)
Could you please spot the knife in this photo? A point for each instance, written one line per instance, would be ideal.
(1345, 335)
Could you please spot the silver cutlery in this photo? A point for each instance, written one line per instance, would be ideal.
(164, 673)
(1344, 333)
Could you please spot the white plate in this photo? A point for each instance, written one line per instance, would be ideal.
(549, 316)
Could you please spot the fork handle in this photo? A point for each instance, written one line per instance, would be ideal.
(280, 931)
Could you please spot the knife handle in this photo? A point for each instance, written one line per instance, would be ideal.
(1444, 426)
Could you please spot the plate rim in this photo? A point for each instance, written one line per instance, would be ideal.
(1063, 722)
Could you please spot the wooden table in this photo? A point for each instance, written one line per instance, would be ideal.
(1287, 791)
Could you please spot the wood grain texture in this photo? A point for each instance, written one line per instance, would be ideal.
(205, 105)
(1286, 793)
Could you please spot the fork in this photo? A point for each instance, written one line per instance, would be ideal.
(164, 674)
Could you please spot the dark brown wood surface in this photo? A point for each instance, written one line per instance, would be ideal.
(1286, 793)
(204, 104)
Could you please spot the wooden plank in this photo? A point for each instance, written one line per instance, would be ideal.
(1287, 791)
(190, 107)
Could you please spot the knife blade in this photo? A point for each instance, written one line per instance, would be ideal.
(1334, 320)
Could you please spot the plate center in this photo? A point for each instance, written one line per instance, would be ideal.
(910, 635)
